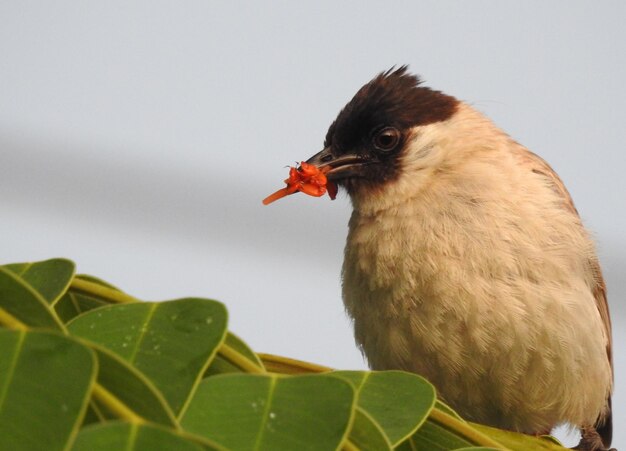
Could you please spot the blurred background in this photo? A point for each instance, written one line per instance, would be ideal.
(138, 139)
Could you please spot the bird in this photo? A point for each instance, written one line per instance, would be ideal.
(467, 262)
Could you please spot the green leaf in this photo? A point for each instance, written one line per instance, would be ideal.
(45, 383)
(73, 304)
(170, 342)
(397, 401)
(221, 365)
(91, 415)
(23, 302)
(132, 388)
(366, 434)
(433, 437)
(267, 412)
(131, 437)
(519, 442)
(50, 278)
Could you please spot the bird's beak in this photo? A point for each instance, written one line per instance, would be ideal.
(341, 167)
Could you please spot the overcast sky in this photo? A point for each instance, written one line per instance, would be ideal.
(138, 139)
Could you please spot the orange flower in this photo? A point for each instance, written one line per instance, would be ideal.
(307, 178)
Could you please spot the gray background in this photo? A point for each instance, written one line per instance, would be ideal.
(138, 138)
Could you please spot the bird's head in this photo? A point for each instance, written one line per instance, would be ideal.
(374, 134)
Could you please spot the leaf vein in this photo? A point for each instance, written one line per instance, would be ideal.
(142, 333)
(266, 412)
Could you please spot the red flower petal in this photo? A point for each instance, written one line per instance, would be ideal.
(307, 178)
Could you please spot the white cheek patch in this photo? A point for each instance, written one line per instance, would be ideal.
(424, 151)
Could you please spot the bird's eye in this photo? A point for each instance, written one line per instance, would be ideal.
(386, 139)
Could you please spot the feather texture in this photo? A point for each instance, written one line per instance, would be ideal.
(472, 268)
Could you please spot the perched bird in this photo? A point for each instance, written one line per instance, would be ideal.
(466, 262)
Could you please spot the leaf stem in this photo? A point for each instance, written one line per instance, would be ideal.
(349, 446)
(286, 365)
(10, 321)
(239, 360)
(101, 291)
(463, 429)
(115, 405)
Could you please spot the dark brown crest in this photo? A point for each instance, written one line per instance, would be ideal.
(393, 101)
(393, 98)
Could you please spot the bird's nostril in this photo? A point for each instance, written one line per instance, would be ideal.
(326, 158)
